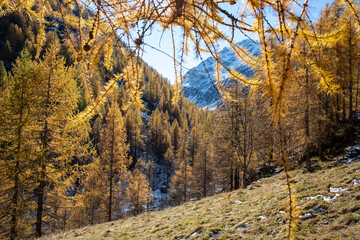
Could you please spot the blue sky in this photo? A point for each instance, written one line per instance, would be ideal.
(164, 64)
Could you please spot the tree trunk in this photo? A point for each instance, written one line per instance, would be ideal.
(243, 184)
(357, 88)
(321, 151)
(205, 175)
(43, 159)
(185, 182)
(231, 179)
(237, 178)
(319, 140)
(337, 108)
(350, 74)
(343, 108)
(40, 204)
(64, 222)
(110, 192)
(13, 230)
(307, 124)
(15, 200)
(111, 176)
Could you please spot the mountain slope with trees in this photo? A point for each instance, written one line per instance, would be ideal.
(70, 172)
(326, 209)
(89, 133)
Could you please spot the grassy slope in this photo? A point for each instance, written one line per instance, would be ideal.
(267, 198)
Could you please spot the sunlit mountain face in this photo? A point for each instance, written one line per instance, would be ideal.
(199, 82)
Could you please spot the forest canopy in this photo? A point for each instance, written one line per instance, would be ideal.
(90, 27)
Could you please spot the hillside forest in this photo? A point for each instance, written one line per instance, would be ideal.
(90, 133)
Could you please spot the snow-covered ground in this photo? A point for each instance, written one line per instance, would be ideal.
(159, 183)
(352, 154)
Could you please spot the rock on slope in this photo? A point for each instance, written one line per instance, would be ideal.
(198, 86)
(327, 201)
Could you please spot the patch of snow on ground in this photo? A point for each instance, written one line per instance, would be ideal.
(339, 189)
(352, 223)
(244, 226)
(145, 116)
(314, 198)
(356, 181)
(306, 216)
(330, 199)
(352, 154)
(195, 233)
(326, 199)
(317, 209)
(214, 235)
(262, 218)
(251, 187)
(261, 179)
(218, 189)
(158, 198)
(239, 202)
(356, 115)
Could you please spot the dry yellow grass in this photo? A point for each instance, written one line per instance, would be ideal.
(262, 206)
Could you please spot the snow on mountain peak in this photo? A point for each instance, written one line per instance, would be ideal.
(199, 82)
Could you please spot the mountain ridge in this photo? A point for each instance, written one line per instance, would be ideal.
(199, 82)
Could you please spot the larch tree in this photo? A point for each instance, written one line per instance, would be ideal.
(175, 135)
(181, 180)
(168, 158)
(7, 53)
(89, 203)
(204, 24)
(237, 131)
(18, 115)
(3, 77)
(203, 168)
(194, 143)
(114, 155)
(134, 124)
(58, 139)
(156, 131)
(138, 190)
